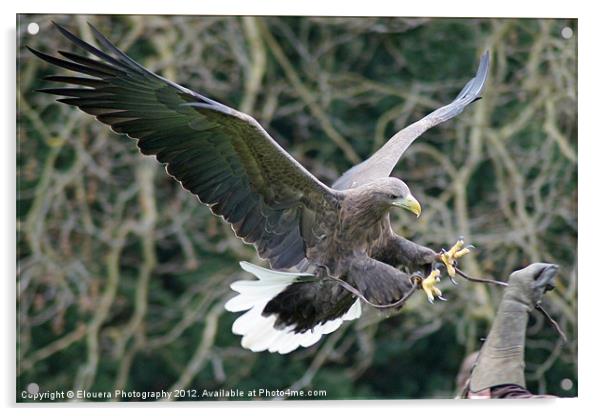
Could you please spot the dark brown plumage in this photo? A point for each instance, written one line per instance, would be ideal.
(232, 165)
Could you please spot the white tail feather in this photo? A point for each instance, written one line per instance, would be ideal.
(258, 331)
(354, 312)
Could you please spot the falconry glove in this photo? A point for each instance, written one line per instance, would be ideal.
(501, 360)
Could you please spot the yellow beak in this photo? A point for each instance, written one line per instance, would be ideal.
(410, 203)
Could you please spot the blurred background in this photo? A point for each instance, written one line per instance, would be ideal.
(122, 275)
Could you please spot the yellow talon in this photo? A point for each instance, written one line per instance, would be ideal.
(449, 257)
(462, 252)
(428, 285)
(456, 247)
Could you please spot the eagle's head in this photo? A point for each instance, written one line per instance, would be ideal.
(375, 198)
(393, 192)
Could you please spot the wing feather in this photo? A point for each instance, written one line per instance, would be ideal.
(382, 163)
(223, 156)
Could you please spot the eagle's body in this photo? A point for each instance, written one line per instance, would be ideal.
(295, 222)
(359, 225)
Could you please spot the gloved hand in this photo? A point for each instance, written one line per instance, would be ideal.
(501, 360)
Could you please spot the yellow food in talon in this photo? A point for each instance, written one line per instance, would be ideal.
(428, 285)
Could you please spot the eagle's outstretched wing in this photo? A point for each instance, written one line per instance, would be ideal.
(382, 163)
(223, 156)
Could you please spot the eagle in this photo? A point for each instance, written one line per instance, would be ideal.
(328, 248)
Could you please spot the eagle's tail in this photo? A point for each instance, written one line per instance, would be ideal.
(261, 331)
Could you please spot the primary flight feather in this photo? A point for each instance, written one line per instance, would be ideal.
(309, 233)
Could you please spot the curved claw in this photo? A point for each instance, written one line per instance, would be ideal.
(449, 258)
(429, 285)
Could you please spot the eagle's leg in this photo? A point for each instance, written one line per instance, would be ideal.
(378, 282)
(399, 252)
(429, 286)
(450, 258)
(420, 261)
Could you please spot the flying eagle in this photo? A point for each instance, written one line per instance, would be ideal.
(327, 246)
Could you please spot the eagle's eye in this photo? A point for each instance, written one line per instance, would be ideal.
(392, 196)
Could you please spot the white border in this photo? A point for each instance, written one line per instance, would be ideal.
(462, 8)
(589, 185)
